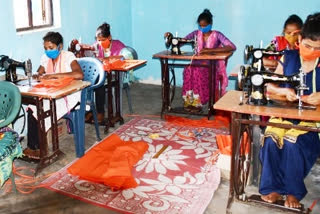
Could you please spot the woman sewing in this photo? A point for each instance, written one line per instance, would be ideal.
(288, 155)
(105, 47)
(287, 41)
(54, 64)
(195, 91)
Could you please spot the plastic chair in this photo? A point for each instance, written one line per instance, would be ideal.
(10, 148)
(10, 103)
(128, 53)
(95, 74)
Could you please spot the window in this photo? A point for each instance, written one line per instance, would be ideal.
(33, 14)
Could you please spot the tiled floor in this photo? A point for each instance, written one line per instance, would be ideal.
(45, 201)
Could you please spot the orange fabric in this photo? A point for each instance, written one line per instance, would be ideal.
(224, 143)
(47, 85)
(110, 162)
(112, 64)
(220, 121)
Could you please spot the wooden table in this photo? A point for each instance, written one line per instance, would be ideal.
(165, 56)
(113, 80)
(35, 98)
(241, 122)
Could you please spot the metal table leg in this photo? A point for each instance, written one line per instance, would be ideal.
(165, 86)
(113, 117)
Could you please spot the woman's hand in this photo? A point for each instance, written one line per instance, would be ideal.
(313, 99)
(206, 50)
(276, 91)
(216, 50)
(290, 94)
(36, 77)
(49, 76)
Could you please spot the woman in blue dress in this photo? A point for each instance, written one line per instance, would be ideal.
(287, 156)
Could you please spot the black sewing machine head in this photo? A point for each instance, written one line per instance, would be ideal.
(176, 42)
(9, 66)
(252, 82)
(79, 49)
(254, 56)
(252, 78)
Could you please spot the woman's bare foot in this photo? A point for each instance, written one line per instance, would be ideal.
(292, 202)
(271, 197)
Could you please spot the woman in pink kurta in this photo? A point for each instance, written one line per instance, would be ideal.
(195, 79)
(105, 47)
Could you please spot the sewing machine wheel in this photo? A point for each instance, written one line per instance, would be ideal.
(172, 84)
(19, 124)
(242, 161)
(72, 45)
(168, 40)
(247, 52)
(241, 77)
(3, 62)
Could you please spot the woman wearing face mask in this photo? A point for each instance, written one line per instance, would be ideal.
(288, 41)
(288, 155)
(54, 64)
(195, 79)
(105, 47)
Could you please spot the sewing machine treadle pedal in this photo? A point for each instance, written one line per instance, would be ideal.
(278, 204)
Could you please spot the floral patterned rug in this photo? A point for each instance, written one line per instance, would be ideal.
(176, 175)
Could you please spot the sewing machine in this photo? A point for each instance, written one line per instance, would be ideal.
(78, 49)
(9, 66)
(256, 55)
(177, 42)
(253, 82)
(253, 78)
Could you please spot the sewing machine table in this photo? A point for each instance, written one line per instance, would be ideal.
(165, 56)
(241, 122)
(35, 98)
(115, 73)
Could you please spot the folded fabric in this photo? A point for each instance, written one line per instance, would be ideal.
(110, 162)
(47, 85)
(112, 64)
(220, 121)
(224, 143)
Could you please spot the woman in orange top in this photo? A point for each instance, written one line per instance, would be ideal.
(287, 41)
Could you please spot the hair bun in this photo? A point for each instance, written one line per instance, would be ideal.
(314, 17)
(105, 26)
(207, 11)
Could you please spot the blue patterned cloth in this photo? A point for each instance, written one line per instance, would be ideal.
(10, 149)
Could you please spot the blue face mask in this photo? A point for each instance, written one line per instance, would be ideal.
(52, 54)
(205, 29)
